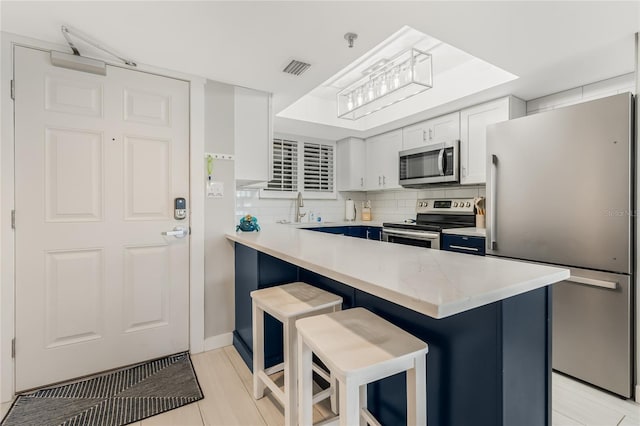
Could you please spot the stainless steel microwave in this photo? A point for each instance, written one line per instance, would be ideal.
(435, 163)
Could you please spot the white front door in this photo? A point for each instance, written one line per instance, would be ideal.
(99, 161)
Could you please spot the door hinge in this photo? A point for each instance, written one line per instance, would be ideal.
(13, 348)
(13, 89)
(13, 219)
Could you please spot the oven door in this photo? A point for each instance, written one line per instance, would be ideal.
(434, 163)
(412, 238)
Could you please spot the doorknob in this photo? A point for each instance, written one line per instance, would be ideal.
(178, 232)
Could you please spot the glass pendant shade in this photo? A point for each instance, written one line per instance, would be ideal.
(407, 74)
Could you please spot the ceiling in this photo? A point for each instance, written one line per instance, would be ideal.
(551, 46)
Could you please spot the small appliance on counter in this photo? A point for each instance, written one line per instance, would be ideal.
(433, 215)
(350, 210)
(366, 211)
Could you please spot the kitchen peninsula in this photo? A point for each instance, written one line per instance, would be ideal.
(486, 320)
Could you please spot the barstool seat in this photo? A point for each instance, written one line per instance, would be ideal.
(288, 303)
(359, 347)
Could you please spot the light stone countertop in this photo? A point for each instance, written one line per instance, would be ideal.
(433, 282)
(468, 232)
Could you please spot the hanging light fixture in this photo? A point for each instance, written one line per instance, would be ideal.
(386, 82)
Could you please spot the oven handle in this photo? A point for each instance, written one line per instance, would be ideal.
(414, 234)
(441, 162)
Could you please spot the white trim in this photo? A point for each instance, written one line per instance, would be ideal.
(217, 342)
(7, 277)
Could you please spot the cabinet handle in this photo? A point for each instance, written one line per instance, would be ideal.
(384, 180)
(463, 248)
(361, 181)
(379, 181)
(430, 134)
(611, 285)
(424, 135)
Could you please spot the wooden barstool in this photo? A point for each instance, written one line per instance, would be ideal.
(359, 348)
(288, 303)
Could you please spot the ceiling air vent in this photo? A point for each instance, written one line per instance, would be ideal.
(296, 67)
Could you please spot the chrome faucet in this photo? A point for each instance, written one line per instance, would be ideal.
(299, 203)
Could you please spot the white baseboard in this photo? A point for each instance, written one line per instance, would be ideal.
(219, 341)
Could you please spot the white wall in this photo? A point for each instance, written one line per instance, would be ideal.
(219, 218)
(589, 92)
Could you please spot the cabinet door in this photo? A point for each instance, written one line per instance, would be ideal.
(390, 144)
(435, 130)
(382, 160)
(351, 163)
(415, 135)
(252, 124)
(373, 180)
(473, 141)
(444, 128)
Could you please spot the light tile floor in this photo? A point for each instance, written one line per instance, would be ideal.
(226, 383)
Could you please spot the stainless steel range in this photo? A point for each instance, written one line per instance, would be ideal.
(433, 215)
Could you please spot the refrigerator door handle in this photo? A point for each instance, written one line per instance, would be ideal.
(492, 193)
(611, 285)
(441, 162)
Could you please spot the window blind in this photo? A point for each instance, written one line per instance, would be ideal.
(318, 167)
(285, 166)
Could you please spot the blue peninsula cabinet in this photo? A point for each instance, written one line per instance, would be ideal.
(358, 231)
(486, 366)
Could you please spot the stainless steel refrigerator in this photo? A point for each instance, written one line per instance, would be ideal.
(560, 191)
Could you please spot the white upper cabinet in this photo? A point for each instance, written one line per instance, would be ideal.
(253, 135)
(351, 157)
(473, 134)
(382, 160)
(435, 130)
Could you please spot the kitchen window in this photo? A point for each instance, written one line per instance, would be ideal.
(306, 166)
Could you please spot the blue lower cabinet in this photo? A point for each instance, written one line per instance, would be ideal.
(255, 270)
(357, 231)
(463, 244)
(340, 230)
(374, 233)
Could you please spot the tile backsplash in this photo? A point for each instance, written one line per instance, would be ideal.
(270, 210)
(400, 204)
(391, 205)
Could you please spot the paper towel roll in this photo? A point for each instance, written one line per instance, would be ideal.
(350, 210)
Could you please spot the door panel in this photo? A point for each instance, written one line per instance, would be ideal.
(74, 179)
(78, 96)
(99, 160)
(561, 185)
(74, 291)
(146, 287)
(147, 179)
(592, 330)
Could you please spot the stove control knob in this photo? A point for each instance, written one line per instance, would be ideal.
(455, 204)
(468, 204)
(426, 204)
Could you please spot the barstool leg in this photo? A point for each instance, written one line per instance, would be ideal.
(334, 395)
(258, 350)
(305, 378)
(290, 373)
(349, 404)
(363, 404)
(417, 392)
